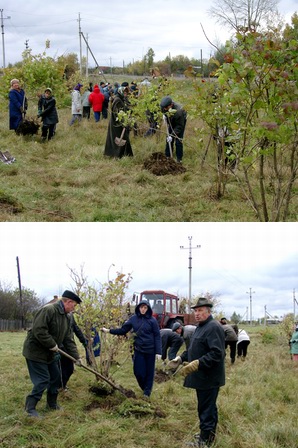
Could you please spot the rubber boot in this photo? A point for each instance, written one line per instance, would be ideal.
(52, 402)
(30, 405)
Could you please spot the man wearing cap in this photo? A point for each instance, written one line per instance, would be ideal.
(185, 331)
(205, 368)
(175, 119)
(48, 113)
(51, 328)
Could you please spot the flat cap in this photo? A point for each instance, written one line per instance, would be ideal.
(71, 295)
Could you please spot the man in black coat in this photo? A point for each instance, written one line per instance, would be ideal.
(175, 118)
(205, 369)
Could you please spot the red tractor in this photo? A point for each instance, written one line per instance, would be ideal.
(165, 308)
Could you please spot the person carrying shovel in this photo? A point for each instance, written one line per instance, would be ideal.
(50, 329)
(117, 142)
(175, 119)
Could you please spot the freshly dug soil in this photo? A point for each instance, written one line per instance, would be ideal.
(161, 376)
(28, 127)
(160, 165)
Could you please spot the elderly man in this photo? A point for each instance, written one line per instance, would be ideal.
(205, 368)
(51, 328)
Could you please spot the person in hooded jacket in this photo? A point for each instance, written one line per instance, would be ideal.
(147, 344)
(96, 99)
(48, 113)
(116, 129)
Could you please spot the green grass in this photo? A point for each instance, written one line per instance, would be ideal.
(69, 179)
(257, 406)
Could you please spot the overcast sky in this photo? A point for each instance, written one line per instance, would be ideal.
(118, 32)
(233, 258)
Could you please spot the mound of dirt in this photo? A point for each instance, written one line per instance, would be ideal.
(161, 376)
(28, 127)
(160, 165)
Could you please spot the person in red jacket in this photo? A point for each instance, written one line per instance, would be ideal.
(96, 99)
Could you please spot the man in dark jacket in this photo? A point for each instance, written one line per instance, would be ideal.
(169, 340)
(147, 344)
(205, 369)
(175, 119)
(231, 338)
(48, 113)
(51, 328)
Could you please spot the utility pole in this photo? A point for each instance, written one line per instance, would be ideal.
(190, 268)
(250, 303)
(2, 31)
(80, 39)
(21, 296)
(87, 57)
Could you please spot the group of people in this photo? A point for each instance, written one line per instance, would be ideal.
(98, 98)
(202, 363)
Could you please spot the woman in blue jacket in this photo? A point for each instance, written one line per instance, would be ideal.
(147, 344)
(17, 104)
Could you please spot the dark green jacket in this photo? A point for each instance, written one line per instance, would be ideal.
(51, 326)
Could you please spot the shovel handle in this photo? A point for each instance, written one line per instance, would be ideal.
(114, 386)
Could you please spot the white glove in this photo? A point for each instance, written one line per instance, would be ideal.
(169, 139)
(79, 362)
(105, 330)
(54, 349)
(175, 362)
(158, 357)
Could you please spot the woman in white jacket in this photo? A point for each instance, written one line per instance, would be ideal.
(242, 344)
(76, 104)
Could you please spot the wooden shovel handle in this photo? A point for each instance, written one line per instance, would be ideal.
(114, 386)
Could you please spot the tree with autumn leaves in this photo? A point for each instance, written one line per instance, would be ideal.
(254, 99)
(102, 305)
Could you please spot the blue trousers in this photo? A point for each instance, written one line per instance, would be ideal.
(96, 116)
(44, 376)
(143, 369)
(207, 410)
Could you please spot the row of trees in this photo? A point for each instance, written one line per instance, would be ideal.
(12, 307)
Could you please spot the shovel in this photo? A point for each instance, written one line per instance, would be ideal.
(120, 141)
(98, 375)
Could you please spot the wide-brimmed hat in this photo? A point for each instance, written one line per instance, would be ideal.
(202, 301)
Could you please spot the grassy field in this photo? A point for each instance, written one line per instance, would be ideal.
(69, 179)
(257, 406)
